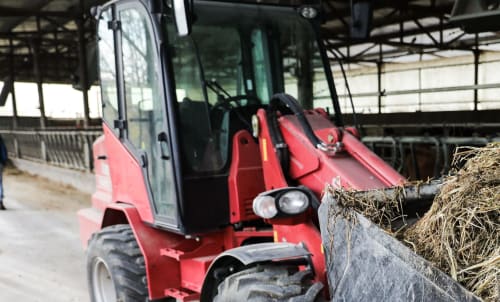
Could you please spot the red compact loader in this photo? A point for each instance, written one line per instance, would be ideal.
(213, 161)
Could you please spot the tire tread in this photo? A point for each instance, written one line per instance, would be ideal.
(266, 283)
(117, 246)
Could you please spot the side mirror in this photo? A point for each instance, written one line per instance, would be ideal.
(181, 17)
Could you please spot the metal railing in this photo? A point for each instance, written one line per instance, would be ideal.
(68, 149)
(419, 157)
(415, 156)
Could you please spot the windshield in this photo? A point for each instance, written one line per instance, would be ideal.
(236, 58)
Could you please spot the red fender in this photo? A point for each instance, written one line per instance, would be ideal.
(162, 272)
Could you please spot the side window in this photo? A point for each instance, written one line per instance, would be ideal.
(140, 71)
(205, 126)
(260, 65)
(108, 70)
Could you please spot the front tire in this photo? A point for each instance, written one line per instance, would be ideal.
(115, 266)
(266, 283)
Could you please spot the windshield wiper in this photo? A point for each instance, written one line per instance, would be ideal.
(204, 83)
(221, 93)
(219, 87)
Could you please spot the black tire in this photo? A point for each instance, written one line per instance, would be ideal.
(115, 262)
(266, 283)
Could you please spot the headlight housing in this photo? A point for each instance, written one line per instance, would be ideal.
(282, 202)
(265, 206)
(293, 202)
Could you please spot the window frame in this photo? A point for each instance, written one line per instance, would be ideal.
(110, 121)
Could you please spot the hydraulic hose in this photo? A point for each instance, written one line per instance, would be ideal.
(276, 103)
(292, 104)
(276, 136)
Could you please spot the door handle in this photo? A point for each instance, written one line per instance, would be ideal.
(164, 148)
(144, 160)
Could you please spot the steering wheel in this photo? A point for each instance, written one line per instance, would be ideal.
(224, 103)
(223, 106)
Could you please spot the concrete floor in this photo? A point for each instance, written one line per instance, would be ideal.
(40, 254)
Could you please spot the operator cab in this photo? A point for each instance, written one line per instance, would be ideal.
(230, 65)
(184, 98)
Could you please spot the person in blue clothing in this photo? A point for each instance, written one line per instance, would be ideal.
(3, 161)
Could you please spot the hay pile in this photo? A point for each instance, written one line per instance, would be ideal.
(460, 234)
(383, 210)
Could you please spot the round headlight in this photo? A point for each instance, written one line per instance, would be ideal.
(308, 12)
(293, 202)
(265, 206)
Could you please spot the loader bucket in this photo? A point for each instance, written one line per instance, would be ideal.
(364, 263)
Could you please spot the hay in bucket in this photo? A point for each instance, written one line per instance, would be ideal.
(383, 210)
(460, 234)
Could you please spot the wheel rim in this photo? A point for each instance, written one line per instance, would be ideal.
(102, 283)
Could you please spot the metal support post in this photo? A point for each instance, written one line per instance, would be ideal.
(477, 54)
(12, 90)
(82, 45)
(58, 54)
(441, 28)
(379, 78)
(38, 75)
(87, 154)
(43, 149)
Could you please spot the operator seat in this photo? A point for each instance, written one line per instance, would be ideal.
(195, 134)
(207, 162)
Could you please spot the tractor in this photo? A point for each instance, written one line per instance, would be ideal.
(216, 152)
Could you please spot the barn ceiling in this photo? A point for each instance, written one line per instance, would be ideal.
(47, 32)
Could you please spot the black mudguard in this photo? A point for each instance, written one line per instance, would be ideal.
(236, 259)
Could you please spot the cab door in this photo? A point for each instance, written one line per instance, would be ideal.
(146, 133)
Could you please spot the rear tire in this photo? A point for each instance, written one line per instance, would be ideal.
(115, 266)
(266, 283)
